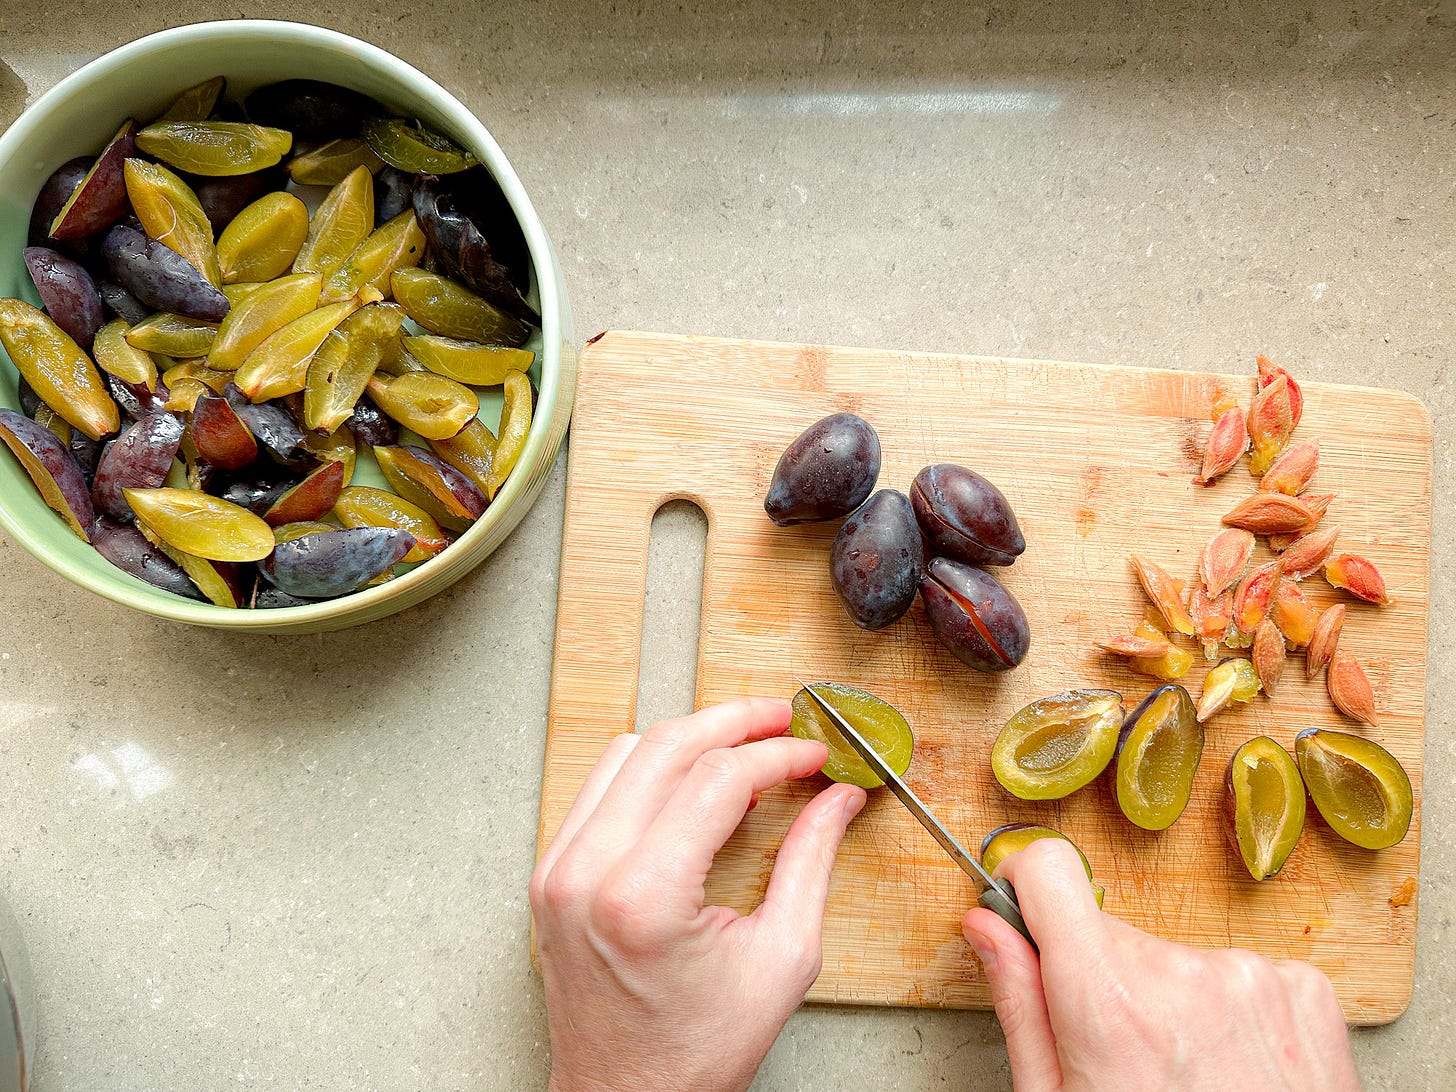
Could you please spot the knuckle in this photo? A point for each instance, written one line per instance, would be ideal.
(1011, 1012)
(1309, 983)
(536, 891)
(1247, 973)
(720, 765)
(806, 963)
(624, 915)
(559, 891)
(1202, 973)
(625, 741)
(669, 735)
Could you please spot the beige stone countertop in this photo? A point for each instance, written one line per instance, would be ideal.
(301, 862)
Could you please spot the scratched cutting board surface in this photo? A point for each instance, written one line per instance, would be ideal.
(1098, 463)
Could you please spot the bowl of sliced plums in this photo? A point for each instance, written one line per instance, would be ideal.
(285, 345)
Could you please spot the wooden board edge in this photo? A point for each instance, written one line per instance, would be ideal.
(609, 341)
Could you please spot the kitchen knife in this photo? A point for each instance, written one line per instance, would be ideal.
(998, 896)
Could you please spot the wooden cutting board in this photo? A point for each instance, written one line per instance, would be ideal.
(1098, 463)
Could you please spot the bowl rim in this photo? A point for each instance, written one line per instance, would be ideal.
(467, 129)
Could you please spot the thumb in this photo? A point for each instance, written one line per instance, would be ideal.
(1014, 973)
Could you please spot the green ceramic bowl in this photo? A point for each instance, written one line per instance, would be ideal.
(79, 114)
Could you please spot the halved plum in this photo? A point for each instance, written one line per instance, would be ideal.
(1054, 746)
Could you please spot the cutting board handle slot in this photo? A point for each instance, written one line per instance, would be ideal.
(672, 614)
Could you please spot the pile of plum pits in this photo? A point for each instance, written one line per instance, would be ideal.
(1062, 743)
(213, 360)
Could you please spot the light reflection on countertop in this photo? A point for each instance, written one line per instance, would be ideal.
(126, 772)
(889, 103)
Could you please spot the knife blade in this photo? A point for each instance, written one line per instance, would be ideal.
(998, 896)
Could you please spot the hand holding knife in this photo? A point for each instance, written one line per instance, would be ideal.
(998, 896)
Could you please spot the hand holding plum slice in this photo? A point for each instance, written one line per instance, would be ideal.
(826, 472)
(1359, 787)
(965, 517)
(323, 565)
(1056, 745)
(881, 724)
(974, 616)
(877, 559)
(1014, 837)
(1264, 801)
(1158, 752)
(52, 468)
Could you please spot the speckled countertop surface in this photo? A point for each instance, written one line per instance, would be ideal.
(301, 862)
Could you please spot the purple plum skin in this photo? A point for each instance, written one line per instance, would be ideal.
(965, 605)
(877, 558)
(827, 472)
(137, 459)
(333, 563)
(68, 292)
(160, 277)
(127, 548)
(965, 517)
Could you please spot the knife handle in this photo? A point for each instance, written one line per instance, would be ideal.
(1001, 901)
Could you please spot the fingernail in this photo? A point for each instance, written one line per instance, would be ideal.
(853, 805)
(983, 949)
